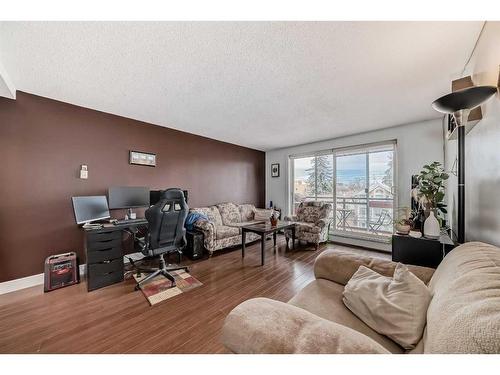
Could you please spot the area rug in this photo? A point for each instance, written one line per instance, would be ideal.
(159, 289)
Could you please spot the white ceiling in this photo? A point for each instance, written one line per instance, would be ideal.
(262, 85)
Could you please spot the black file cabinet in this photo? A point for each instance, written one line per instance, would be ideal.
(420, 251)
(104, 253)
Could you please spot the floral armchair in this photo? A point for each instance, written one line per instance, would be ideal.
(313, 221)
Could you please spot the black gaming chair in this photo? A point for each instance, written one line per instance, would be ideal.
(166, 233)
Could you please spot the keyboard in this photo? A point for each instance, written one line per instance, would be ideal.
(130, 221)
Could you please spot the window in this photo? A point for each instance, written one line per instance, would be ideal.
(357, 181)
(312, 179)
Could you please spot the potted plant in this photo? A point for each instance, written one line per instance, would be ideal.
(403, 226)
(405, 222)
(431, 196)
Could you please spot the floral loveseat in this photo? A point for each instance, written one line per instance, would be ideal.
(313, 220)
(223, 228)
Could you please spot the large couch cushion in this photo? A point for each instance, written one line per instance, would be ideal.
(339, 266)
(224, 231)
(246, 212)
(324, 298)
(464, 314)
(211, 212)
(229, 212)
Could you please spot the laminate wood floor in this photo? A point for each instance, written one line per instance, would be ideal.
(117, 319)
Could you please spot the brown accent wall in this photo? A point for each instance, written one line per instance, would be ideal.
(43, 143)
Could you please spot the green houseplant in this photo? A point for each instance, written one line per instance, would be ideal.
(431, 188)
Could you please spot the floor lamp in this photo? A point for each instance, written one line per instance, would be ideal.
(460, 103)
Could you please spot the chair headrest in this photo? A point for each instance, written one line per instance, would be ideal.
(172, 193)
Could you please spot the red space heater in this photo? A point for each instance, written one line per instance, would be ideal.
(61, 270)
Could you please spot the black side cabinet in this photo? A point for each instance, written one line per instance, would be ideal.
(104, 253)
(194, 248)
(420, 251)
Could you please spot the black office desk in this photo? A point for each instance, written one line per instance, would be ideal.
(104, 254)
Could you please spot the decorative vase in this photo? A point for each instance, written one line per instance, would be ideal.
(431, 226)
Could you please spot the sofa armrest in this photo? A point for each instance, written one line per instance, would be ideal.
(339, 266)
(290, 218)
(265, 326)
(209, 233)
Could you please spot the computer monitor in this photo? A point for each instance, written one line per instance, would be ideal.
(154, 196)
(128, 197)
(88, 209)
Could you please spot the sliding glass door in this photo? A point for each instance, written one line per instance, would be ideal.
(364, 191)
(357, 181)
(351, 187)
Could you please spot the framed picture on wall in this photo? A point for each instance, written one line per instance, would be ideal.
(275, 170)
(142, 158)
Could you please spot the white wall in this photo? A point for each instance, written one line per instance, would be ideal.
(482, 149)
(417, 144)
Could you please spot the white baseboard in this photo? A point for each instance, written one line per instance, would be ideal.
(380, 246)
(34, 280)
(18, 284)
(29, 281)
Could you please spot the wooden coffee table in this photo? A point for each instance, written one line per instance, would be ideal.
(263, 229)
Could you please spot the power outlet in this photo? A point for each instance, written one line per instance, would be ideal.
(84, 172)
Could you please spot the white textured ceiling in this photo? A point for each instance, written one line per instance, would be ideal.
(262, 85)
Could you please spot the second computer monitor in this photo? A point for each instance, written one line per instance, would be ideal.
(128, 196)
(155, 195)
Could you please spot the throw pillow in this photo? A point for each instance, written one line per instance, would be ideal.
(262, 214)
(395, 307)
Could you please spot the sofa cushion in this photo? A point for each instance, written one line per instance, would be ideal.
(263, 214)
(211, 212)
(393, 306)
(234, 240)
(324, 298)
(242, 224)
(464, 314)
(224, 231)
(229, 213)
(246, 212)
(339, 266)
(307, 227)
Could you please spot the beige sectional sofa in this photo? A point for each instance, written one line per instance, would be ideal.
(224, 226)
(463, 315)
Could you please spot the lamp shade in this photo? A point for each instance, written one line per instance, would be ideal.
(467, 98)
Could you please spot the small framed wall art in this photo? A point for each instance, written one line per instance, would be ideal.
(142, 158)
(275, 170)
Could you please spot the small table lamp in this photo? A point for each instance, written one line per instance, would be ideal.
(460, 103)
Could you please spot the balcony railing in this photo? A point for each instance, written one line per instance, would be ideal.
(363, 215)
